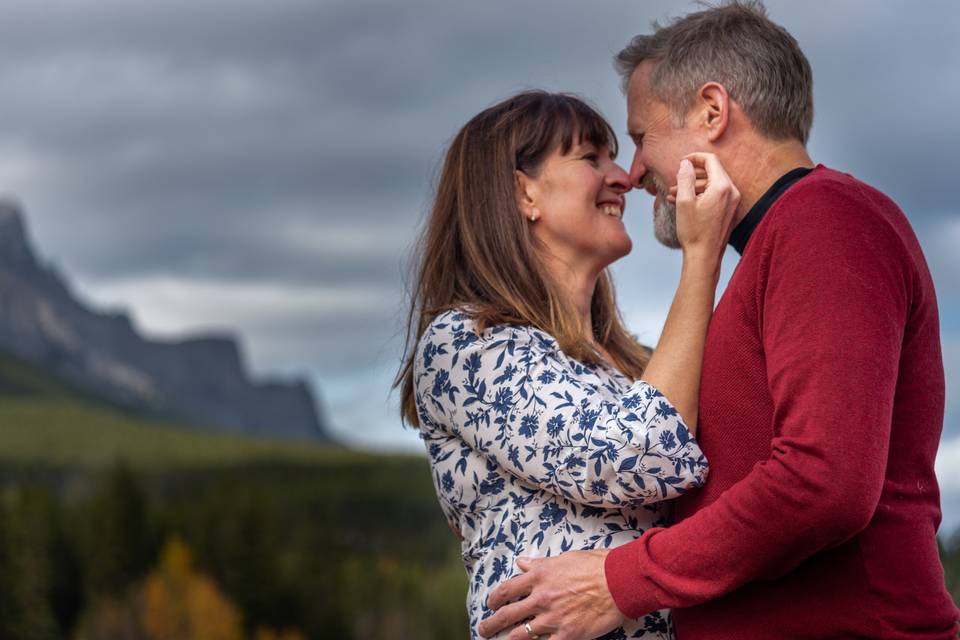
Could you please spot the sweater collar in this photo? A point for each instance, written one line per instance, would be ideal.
(742, 232)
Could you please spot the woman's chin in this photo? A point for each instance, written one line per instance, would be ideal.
(620, 248)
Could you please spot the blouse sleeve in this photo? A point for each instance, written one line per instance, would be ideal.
(512, 396)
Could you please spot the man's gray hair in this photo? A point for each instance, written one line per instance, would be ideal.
(759, 64)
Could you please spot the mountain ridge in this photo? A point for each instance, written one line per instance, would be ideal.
(195, 380)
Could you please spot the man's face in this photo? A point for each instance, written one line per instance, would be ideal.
(660, 147)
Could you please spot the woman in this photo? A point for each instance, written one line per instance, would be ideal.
(548, 426)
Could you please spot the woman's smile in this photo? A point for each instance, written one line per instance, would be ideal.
(612, 209)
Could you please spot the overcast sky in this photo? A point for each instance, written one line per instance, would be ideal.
(262, 167)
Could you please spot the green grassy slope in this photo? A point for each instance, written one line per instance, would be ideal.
(44, 420)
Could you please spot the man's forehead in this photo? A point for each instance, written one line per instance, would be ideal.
(641, 74)
(639, 98)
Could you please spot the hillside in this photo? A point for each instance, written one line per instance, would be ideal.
(44, 420)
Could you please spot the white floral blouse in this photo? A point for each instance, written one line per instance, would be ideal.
(535, 453)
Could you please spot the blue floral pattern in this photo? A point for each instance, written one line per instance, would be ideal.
(534, 453)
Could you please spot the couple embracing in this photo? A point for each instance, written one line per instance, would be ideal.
(768, 470)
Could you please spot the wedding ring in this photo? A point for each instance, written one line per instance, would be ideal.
(530, 633)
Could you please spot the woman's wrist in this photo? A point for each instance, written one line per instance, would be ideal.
(701, 263)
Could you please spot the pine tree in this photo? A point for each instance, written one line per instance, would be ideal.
(118, 541)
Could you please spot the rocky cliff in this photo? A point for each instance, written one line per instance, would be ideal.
(199, 381)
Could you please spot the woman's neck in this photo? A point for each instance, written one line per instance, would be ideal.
(578, 285)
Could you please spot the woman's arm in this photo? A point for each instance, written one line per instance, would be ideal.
(703, 226)
(511, 395)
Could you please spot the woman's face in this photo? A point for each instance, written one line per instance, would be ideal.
(577, 199)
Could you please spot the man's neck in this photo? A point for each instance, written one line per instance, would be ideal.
(757, 164)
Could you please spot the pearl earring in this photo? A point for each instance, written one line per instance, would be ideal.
(534, 214)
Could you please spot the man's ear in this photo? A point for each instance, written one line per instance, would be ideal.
(526, 196)
(715, 109)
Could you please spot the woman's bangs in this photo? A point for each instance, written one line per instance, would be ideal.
(579, 119)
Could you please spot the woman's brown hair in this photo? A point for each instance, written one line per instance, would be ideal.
(477, 251)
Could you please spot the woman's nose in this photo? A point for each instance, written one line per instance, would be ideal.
(618, 179)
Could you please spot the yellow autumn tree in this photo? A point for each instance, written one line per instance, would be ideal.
(174, 602)
(182, 604)
(285, 634)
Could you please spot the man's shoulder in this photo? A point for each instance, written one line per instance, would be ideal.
(824, 185)
(838, 221)
(831, 201)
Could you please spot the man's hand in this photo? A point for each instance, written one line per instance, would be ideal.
(565, 597)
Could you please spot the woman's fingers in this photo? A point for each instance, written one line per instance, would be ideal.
(701, 187)
(709, 163)
(718, 180)
(686, 181)
(710, 176)
(705, 207)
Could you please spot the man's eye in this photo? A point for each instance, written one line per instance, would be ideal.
(592, 158)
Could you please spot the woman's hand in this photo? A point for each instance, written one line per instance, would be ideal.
(706, 201)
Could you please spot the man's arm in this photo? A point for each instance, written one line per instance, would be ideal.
(832, 309)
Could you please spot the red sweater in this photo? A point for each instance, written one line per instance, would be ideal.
(820, 412)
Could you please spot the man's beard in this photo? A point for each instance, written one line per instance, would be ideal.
(664, 214)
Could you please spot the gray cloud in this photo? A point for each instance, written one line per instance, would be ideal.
(163, 125)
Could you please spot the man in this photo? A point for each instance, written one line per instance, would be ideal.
(822, 397)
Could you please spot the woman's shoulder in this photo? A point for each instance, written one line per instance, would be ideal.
(459, 325)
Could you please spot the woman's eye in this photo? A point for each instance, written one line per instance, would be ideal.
(592, 158)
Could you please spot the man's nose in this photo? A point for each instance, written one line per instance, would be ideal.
(637, 170)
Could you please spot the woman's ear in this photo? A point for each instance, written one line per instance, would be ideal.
(525, 196)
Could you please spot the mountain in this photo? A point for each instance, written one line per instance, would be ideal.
(198, 380)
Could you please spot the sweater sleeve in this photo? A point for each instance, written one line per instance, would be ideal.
(832, 297)
(512, 396)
